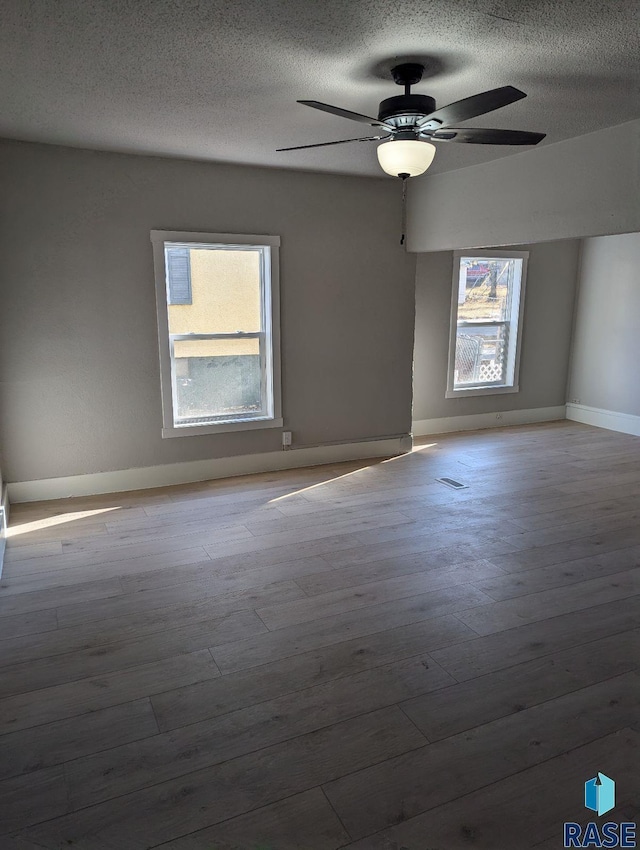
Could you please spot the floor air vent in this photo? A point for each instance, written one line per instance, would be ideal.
(450, 482)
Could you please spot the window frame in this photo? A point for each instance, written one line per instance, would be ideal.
(517, 320)
(269, 338)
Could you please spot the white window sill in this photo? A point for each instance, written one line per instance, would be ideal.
(222, 427)
(462, 392)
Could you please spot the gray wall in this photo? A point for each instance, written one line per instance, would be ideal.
(548, 314)
(606, 348)
(587, 186)
(79, 376)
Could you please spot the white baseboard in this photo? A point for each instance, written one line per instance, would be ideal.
(498, 419)
(624, 422)
(203, 470)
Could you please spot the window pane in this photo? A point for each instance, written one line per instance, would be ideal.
(486, 285)
(218, 332)
(487, 315)
(481, 355)
(225, 292)
(217, 378)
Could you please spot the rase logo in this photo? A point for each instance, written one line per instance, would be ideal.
(600, 794)
(600, 797)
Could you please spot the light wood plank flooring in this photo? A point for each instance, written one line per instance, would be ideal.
(351, 656)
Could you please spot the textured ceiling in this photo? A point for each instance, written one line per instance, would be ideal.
(218, 80)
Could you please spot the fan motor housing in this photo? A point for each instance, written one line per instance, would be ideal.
(406, 104)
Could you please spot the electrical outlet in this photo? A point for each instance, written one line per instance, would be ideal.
(286, 439)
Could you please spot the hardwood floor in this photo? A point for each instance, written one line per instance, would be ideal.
(351, 656)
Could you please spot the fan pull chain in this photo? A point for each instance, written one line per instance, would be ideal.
(404, 178)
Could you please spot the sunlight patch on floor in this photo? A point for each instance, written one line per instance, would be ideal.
(50, 522)
(304, 490)
(413, 451)
(373, 462)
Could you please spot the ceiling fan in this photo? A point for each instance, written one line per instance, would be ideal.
(410, 123)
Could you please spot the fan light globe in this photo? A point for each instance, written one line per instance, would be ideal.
(405, 156)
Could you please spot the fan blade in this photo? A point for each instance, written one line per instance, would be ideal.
(471, 107)
(341, 142)
(477, 136)
(345, 113)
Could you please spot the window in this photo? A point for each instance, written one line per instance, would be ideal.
(218, 309)
(486, 319)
